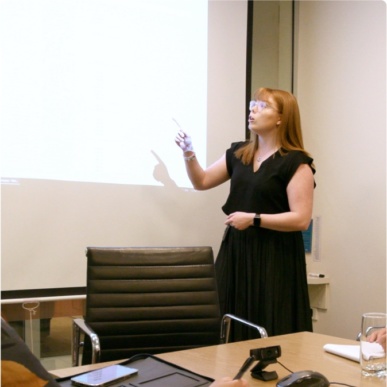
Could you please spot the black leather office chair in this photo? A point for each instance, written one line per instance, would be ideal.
(150, 300)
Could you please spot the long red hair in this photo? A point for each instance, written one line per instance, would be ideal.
(289, 130)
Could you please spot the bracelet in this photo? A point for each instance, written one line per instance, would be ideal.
(190, 158)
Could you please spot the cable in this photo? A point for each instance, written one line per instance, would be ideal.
(32, 310)
(287, 369)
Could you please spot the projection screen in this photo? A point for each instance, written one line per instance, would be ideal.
(93, 93)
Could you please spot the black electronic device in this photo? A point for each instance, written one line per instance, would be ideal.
(257, 220)
(304, 379)
(266, 356)
(267, 353)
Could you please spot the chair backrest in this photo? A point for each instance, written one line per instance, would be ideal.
(151, 299)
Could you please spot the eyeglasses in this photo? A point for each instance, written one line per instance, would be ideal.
(260, 105)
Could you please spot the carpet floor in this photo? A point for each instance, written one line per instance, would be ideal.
(56, 337)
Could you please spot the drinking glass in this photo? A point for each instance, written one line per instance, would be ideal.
(373, 353)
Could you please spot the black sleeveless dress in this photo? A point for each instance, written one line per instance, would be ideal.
(261, 273)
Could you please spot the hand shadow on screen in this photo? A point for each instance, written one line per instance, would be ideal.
(160, 173)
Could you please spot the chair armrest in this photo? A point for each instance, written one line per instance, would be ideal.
(80, 326)
(226, 324)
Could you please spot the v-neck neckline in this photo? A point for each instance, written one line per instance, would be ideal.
(263, 162)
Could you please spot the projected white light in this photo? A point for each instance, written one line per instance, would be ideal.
(89, 88)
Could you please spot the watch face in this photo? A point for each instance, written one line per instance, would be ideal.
(257, 220)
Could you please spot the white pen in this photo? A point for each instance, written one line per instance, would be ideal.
(317, 275)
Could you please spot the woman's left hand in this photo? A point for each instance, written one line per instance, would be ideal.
(240, 220)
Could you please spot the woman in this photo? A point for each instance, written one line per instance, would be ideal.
(261, 267)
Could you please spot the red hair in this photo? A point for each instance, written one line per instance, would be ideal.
(289, 130)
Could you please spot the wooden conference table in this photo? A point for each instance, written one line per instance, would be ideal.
(300, 351)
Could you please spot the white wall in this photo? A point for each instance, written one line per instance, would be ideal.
(272, 45)
(341, 87)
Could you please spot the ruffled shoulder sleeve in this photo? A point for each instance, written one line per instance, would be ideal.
(293, 160)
